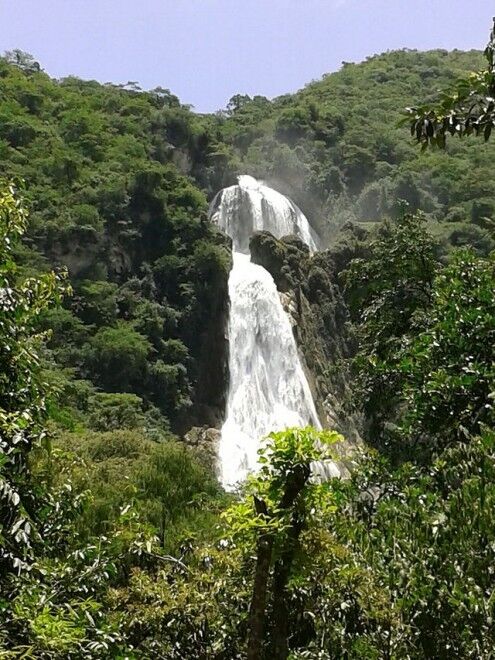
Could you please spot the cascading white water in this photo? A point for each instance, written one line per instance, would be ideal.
(251, 206)
(268, 388)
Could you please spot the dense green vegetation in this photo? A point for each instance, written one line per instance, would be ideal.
(116, 540)
(117, 182)
(107, 201)
(337, 148)
(468, 109)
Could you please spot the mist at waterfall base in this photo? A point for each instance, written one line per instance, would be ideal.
(268, 389)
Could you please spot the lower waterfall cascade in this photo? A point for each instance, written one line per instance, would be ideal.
(268, 389)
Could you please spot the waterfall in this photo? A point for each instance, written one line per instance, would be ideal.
(251, 206)
(268, 389)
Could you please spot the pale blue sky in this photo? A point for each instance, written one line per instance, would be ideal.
(207, 50)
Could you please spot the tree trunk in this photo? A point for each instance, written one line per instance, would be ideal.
(264, 548)
(280, 597)
(294, 486)
(280, 615)
(296, 481)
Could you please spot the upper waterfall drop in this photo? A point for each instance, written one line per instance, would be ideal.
(252, 206)
(268, 389)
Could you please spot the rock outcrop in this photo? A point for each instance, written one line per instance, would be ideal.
(205, 441)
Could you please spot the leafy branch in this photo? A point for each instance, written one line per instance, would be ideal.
(467, 109)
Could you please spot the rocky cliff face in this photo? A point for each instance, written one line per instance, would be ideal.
(315, 304)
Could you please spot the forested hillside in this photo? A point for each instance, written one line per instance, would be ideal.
(337, 148)
(117, 182)
(116, 539)
(108, 201)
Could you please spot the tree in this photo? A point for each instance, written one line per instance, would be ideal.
(467, 109)
(108, 412)
(237, 102)
(278, 505)
(390, 293)
(119, 356)
(448, 368)
(425, 537)
(96, 303)
(23, 60)
(22, 389)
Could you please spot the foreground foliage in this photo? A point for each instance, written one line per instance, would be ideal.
(390, 295)
(428, 537)
(468, 109)
(22, 390)
(63, 548)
